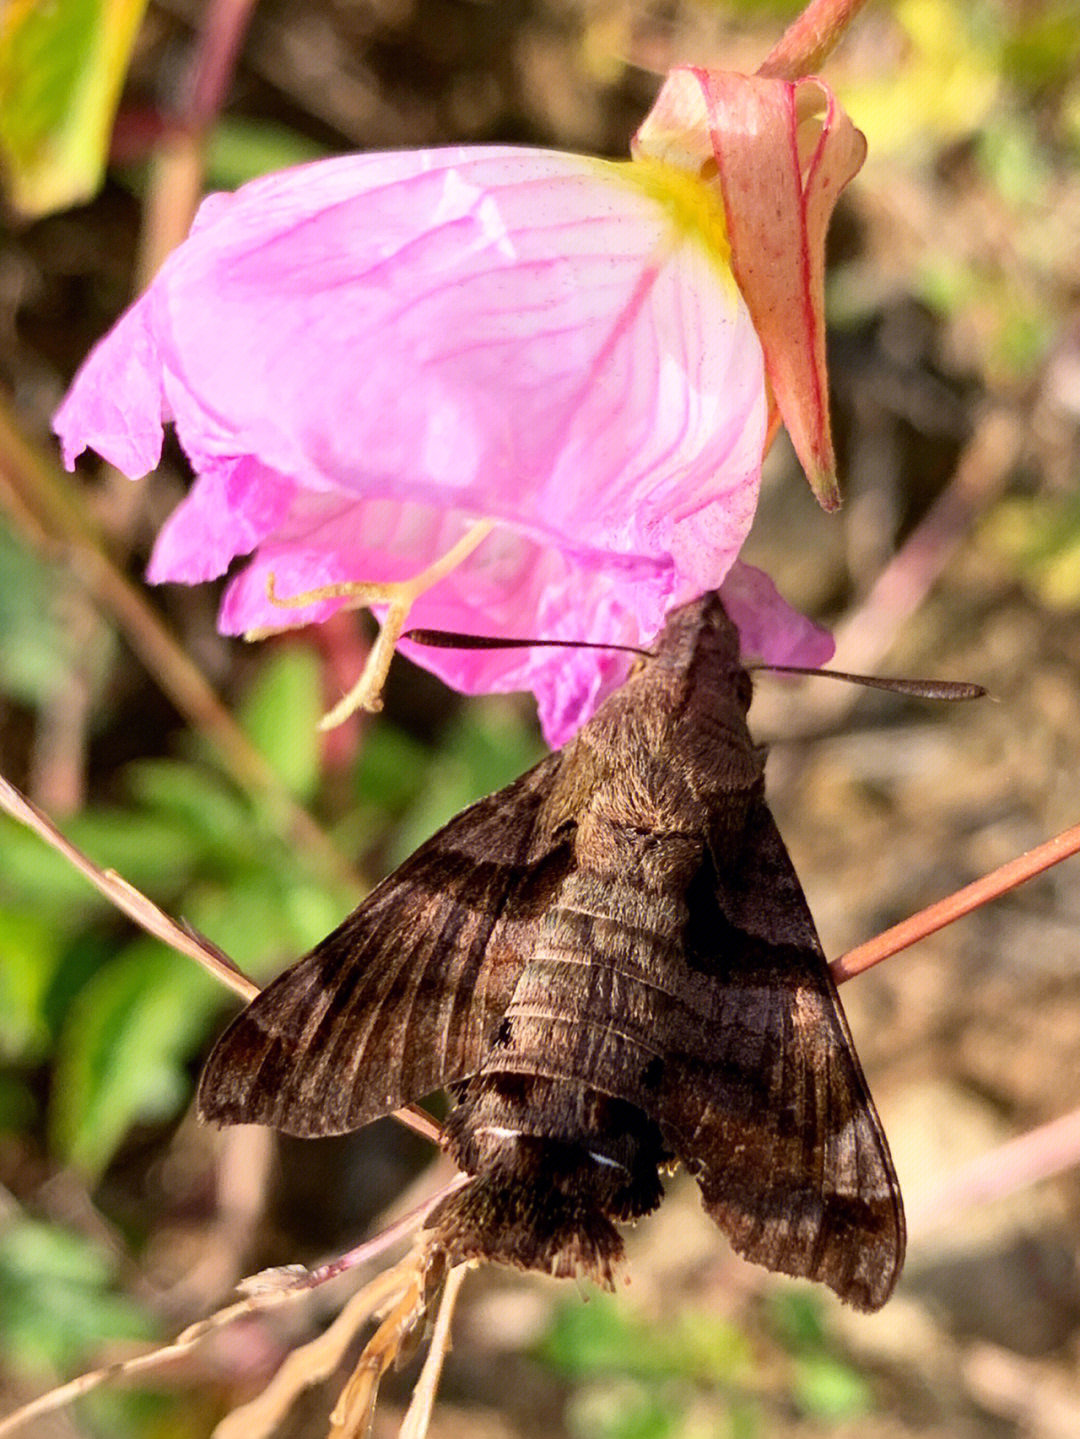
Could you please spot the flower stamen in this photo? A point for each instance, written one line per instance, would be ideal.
(399, 596)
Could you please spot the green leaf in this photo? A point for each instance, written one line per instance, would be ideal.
(123, 1048)
(393, 768)
(823, 1385)
(744, 1419)
(1041, 538)
(151, 851)
(85, 953)
(242, 148)
(313, 911)
(254, 921)
(56, 1299)
(828, 1388)
(623, 1409)
(216, 817)
(34, 877)
(795, 1318)
(62, 65)
(29, 954)
(18, 1110)
(281, 714)
(38, 648)
(601, 1337)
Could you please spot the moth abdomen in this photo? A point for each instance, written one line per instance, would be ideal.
(592, 1005)
(504, 1218)
(555, 1167)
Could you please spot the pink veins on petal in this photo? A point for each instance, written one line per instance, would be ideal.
(364, 356)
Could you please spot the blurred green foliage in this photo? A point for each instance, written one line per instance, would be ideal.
(241, 149)
(696, 1375)
(1039, 538)
(59, 1298)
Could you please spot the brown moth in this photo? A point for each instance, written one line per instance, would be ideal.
(611, 965)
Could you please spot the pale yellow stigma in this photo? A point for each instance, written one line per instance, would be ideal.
(399, 596)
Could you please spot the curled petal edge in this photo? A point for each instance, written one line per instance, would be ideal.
(782, 151)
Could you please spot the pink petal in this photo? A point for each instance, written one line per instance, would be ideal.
(232, 506)
(769, 629)
(117, 404)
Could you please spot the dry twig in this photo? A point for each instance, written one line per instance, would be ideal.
(418, 1418)
(420, 1280)
(312, 1362)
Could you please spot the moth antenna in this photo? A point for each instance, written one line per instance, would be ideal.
(919, 689)
(451, 640)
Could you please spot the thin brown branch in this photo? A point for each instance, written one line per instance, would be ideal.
(981, 474)
(360, 1255)
(177, 172)
(93, 1379)
(125, 897)
(223, 27)
(420, 1122)
(175, 181)
(972, 896)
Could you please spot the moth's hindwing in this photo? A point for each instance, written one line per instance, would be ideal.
(763, 1097)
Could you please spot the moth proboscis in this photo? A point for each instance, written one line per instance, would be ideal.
(611, 965)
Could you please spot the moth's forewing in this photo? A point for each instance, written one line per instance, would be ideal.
(406, 995)
(763, 1096)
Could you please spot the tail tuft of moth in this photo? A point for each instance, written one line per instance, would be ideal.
(500, 1219)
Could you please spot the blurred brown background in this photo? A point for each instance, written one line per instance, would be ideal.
(955, 359)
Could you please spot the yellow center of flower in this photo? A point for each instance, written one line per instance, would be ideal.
(693, 204)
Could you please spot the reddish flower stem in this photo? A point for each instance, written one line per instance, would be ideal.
(937, 916)
(178, 169)
(807, 41)
(221, 35)
(1039, 1154)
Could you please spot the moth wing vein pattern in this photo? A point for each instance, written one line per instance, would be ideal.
(314, 1053)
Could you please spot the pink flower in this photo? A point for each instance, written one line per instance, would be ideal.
(363, 357)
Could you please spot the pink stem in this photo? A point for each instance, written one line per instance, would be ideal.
(807, 41)
(937, 916)
(1039, 1154)
(214, 62)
